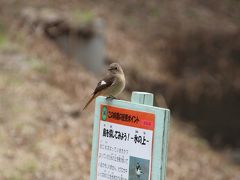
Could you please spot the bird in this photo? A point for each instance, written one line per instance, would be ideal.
(138, 170)
(111, 85)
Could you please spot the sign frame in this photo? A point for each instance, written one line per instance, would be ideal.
(140, 101)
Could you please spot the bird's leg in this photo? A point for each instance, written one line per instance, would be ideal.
(110, 98)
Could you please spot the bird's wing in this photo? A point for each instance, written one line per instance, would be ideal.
(104, 83)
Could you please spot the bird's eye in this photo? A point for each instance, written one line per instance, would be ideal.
(115, 68)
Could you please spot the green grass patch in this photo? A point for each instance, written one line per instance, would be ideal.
(155, 12)
(3, 37)
(83, 16)
(3, 40)
(27, 167)
(15, 176)
(38, 66)
(10, 79)
(131, 20)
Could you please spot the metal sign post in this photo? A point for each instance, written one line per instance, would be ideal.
(129, 139)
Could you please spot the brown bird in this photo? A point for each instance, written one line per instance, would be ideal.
(110, 86)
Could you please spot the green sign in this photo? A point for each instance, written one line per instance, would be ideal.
(129, 139)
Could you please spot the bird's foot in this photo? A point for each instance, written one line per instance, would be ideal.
(110, 98)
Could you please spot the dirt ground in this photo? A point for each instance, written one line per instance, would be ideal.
(44, 134)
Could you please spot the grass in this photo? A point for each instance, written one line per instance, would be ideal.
(24, 167)
(2, 133)
(3, 37)
(14, 176)
(155, 12)
(131, 20)
(83, 16)
(10, 79)
(22, 171)
(29, 166)
(38, 66)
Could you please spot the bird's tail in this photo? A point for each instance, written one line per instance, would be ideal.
(89, 101)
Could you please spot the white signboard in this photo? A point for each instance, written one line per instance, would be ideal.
(125, 144)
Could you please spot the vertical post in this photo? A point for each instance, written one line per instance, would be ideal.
(142, 98)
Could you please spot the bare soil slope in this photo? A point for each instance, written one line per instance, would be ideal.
(43, 133)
